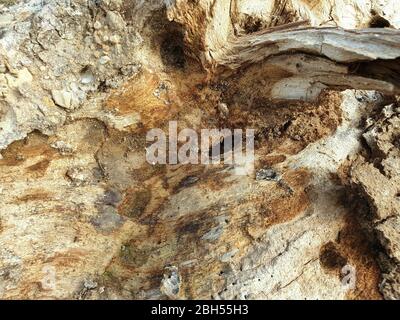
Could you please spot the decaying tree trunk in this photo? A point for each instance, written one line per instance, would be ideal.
(83, 215)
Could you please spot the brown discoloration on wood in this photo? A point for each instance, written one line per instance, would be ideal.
(135, 202)
(71, 257)
(39, 168)
(284, 128)
(142, 100)
(269, 161)
(285, 200)
(36, 195)
(362, 255)
(157, 99)
(35, 145)
(355, 249)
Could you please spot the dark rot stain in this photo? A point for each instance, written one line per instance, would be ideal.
(135, 203)
(172, 50)
(331, 258)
